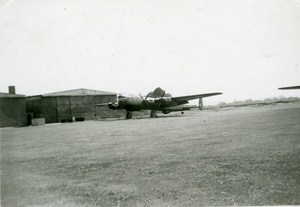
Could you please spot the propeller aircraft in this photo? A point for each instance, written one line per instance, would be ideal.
(155, 101)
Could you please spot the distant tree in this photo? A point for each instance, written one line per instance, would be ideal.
(267, 100)
(222, 104)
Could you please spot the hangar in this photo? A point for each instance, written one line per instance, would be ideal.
(12, 109)
(70, 105)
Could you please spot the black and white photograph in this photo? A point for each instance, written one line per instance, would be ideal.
(149, 103)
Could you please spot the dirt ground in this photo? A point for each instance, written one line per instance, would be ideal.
(239, 156)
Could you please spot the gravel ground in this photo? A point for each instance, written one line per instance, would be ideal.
(239, 156)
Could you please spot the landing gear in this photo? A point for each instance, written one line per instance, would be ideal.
(153, 113)
(128, 114)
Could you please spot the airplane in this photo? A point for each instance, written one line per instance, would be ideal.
(290, 87)
(155, 101)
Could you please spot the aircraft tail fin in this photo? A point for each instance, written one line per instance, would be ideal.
(158, 93)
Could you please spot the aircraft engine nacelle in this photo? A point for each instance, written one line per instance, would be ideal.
(166, 111)
(174, 108)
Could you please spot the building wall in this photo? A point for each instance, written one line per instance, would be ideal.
(12, 112)
(50, 109)
(64, 108)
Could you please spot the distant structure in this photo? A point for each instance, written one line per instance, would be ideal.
(12, 109)
(70, 105)
(290, 87)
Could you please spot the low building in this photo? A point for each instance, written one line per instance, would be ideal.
(12, 109)
(71, 105)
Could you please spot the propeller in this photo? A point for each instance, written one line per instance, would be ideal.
(141, 96)
(156, 101)
(145, 97)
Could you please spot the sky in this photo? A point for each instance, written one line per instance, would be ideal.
(245, 49)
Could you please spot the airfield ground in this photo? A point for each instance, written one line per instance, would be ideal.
(239, 156)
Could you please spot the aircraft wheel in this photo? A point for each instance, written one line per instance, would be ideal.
(128, 114)
(153, 114)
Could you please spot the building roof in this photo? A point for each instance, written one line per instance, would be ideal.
(78, 92)
(9, 95)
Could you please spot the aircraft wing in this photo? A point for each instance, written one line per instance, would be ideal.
(290, 87)
(185, 99)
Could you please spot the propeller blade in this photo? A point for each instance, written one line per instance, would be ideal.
(141, 96)
(148, 95)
